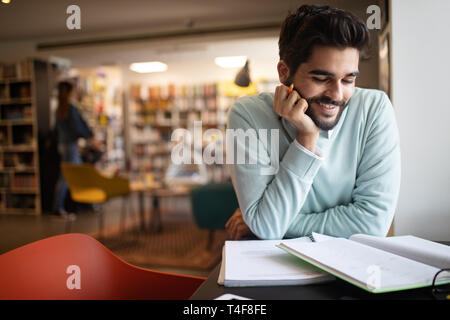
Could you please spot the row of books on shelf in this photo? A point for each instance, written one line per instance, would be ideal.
(152, 149)
(182, 104)
(5, 180)
(156, 162)
(20, 201)
(17, 70)
(173, 91)
(18, 181)
(24, 181)
(18, 160)
(173, 120)
(17, 90)
(16, 112)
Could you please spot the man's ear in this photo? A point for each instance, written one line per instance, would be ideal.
(283, 72)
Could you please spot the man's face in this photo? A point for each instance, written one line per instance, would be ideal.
(327, 82)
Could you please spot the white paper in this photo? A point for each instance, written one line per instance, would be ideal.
(370, 267)
(425, 251)
(261, 263)
(321, 237)
(221, 279)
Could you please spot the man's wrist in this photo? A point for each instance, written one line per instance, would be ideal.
(308, 141)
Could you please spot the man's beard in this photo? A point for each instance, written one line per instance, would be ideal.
(323, 125)
(319, 121)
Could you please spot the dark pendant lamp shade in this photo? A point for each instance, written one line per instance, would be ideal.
(243, 77)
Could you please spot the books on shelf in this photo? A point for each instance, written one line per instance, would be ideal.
(159, 110)
(17, 70)
(261, 263)
(24, 102)
(16, 112)
(375, 264)
(24, 181)
(20, 201)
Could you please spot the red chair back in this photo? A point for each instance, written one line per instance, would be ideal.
(76, 266)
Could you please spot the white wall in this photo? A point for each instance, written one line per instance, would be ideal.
(421, 98)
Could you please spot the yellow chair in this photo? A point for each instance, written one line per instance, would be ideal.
(87, 185)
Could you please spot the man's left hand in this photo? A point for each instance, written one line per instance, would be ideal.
(236, 227)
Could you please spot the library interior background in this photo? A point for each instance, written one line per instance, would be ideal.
(153, 213)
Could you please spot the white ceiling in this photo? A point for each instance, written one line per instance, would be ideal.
(26, 24)
(39, 19)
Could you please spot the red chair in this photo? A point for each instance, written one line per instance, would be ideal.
(76, 266)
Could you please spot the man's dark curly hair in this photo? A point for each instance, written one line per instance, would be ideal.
(313, 25)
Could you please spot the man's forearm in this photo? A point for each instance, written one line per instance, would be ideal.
(309, 142)
(270, 203)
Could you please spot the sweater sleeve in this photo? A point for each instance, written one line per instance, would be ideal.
(268, 199)
(374, 197)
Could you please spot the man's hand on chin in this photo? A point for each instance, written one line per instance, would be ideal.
(289, 105)
(236, 227)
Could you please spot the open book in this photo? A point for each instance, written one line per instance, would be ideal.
(376, 264)
(261, 263)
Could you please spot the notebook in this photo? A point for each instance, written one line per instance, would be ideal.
(376, 264)
(261, 263)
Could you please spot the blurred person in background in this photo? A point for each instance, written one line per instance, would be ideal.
(70, 126)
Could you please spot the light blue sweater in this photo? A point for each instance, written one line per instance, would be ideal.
(351, 188)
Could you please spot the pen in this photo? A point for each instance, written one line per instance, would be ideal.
(291, 88)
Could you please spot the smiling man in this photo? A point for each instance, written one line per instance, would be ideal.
(338, 146)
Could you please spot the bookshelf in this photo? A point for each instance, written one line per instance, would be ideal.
(156, 111)
(100, 102)
(23, 104)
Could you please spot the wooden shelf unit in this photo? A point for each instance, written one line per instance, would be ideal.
(23, 116)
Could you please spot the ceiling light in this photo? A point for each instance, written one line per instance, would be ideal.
(231, 62)
(147, 67)
(6, 1)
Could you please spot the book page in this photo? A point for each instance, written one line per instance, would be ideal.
(318, 237)
(421, 250)
(370, 268)
(260, 262)
(221, 279)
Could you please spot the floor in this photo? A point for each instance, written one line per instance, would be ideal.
(18, 230)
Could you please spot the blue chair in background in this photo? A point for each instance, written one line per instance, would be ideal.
(212, 205)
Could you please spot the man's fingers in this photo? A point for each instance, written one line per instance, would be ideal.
(230, 226)
(242, 231)
(236, 227)
(234, 221)
(292, 99)
(303, 104)
(233, 233)
(288, 103)
(237, 231)
(230, 220)
(281, 93)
